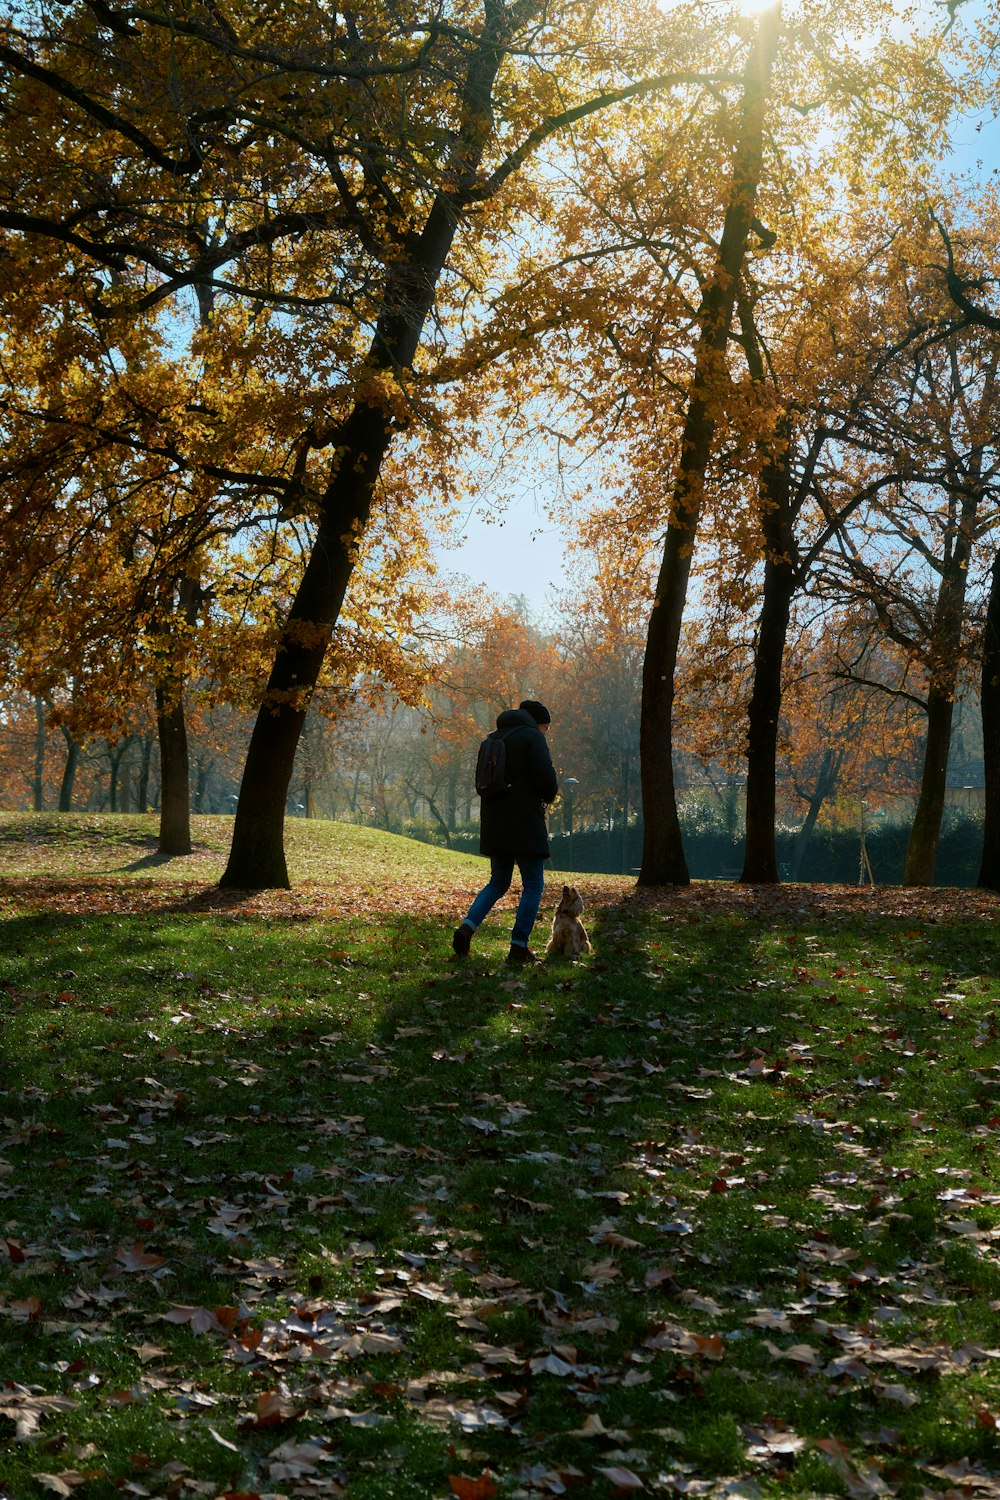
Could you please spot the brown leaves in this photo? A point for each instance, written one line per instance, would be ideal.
(137, 1258)
(205, 1319)
(273, 1409)
(673, 1336)
(26, 1410)
(483, 1488)
(69, 1480)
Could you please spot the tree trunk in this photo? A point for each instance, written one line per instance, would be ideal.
(663, 861)
(38, 779)
(257, 855)
(441, 820)
(69, 771)
(989, 869)
(760, 860)
(202, 771)
(175, 815)
(142, 780)
(116, 754)
(946, 641)
(829, 773)
(921, 850)
(171, 726)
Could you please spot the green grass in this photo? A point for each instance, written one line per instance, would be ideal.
(729, 1186)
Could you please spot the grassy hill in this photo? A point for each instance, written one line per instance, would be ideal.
(66, 846)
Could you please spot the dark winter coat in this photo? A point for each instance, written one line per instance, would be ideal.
(513, 822)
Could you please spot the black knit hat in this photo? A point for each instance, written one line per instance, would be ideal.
(537, 710)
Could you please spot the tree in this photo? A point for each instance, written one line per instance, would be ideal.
(663, 861)
(330, 186)
(912, 565)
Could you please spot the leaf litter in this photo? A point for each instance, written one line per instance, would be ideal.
(784, 1115)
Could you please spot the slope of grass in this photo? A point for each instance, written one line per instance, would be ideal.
(79, 845)
(293, 1203)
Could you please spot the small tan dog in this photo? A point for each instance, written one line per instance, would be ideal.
(569, 936)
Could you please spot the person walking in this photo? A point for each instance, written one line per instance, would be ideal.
(512, 828)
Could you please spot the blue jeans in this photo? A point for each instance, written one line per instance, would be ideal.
(531, 867)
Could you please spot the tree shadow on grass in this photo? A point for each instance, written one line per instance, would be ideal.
(153, 861)
(427, 1102)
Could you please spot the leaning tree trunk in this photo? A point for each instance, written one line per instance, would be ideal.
(257, 855)
(989, 695)
(663, 861)
(829, 774)
(925, 835)
(69, 771)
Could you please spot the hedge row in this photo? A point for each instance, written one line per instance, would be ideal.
(832, 857)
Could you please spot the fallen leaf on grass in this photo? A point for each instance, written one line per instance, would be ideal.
(673, 1336)
(66, 1482)
(148, 1352)
(26, 1410)
(471, 1416)
(295, 1460)
(204, 1319)
(483, 1488)
(897, 1393)
(601, 1271)
(765, 1443)
(658, 1275)
(594, 1427)
(769, 1317)
(550, 1364)
(273, 1408)
(138, 1258)
(701, 1303)
(861, 1484)
(623, 1479)
(798, 1354)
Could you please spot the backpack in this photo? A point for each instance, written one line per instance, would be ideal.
(491, 766)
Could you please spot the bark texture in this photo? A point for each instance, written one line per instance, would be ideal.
(760, 861)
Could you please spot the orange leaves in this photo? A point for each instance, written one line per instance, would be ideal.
(483, 1488)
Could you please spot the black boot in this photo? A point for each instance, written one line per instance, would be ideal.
(462, 940)
(519, 955)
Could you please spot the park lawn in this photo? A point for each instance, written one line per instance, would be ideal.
(294, 1203)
